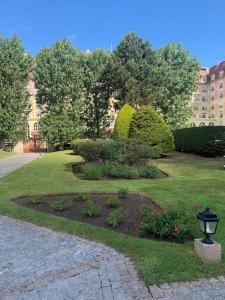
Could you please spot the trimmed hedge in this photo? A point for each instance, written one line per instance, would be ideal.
(207, 141)
(147, 125)
(122, 124)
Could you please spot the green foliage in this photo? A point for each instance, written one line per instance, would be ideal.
(59, 83)
(37, 199)
(149, 171)
(113, 201)
(92, 171)
(90, 209)
(122, 124)
(60, 205)
(127, 151)
(172, 223)
(115, 218)
(15, 67)
(96, 102)
(147, 125)
(123, 193)
(206, 141)
(124, 171)
(84, 196)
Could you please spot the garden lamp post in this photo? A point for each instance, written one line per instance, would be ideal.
(208, 222)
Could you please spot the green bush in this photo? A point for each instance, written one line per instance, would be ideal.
(92, 171)
(147, 125)
(175, 222)
(123, 193)
(124, 171)
(115, 218)
(113, 201)
(207, 141)
(122, 124)
(149, 171)
(60, 205)
(84, 196)
(90, 209)
(127, 151)
(37, 199)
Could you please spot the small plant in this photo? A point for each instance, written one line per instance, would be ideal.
(84, 197)
(115, 218)
(150, 171)
(92, 171)
(123, 193)
(37, 200)
(124, 171)
(90, 209)
(60, 205)
(113, 201)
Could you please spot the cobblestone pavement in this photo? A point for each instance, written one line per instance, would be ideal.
(12, 163)
(203, 289)
(39, 264)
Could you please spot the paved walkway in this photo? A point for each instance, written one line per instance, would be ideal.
(39, 264)
(12, 163)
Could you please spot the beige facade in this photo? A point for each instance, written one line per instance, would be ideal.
(208, 102)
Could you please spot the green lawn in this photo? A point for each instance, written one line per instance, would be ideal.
(4, 154)
(192, 180)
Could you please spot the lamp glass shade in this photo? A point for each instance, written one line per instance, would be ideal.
(202, 225)
(210, 227)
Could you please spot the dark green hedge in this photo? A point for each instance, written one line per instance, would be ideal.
(206, 141)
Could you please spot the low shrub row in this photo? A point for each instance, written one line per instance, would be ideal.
(114, 170)
(207, 141)
(126, 151)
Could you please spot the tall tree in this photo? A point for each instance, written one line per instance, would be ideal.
(96, 103)
(59, 83)
(15, 66)
(172, 82)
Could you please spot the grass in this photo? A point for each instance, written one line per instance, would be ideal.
(4, 154)
(192, 180)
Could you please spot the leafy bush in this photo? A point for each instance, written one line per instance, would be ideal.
(37, 199)
(124, 171)
(127, 151)
(90, 209)
(84, 196)
(171, 223)
(122, 124)
(115, 218)
(207, 141)
(92, 171)
(113, 201)
(60, 205)
(123, 193)
(147, 125)
(149, 171)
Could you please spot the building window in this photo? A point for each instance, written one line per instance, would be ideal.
(211, 124)
(38, 114)
(204, 108)
(193, 124)
(212, 107)
(221, 105)
(204, 98)
(221, 94)
(221, 73)
(212, 77)
(36, 127)
(203, 116)
(221, 114)
(196, 97)
(195, 107)
(221, 85)
(212, 97)
(201, 124)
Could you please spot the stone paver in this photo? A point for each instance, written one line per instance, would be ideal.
(12, 163)
(203, 289)
(39, 264)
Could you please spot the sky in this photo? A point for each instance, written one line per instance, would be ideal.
(199, 25)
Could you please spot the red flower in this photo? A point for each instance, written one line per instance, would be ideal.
(177, 229)
(197, 206)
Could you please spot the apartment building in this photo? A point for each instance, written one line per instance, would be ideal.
(208, 102)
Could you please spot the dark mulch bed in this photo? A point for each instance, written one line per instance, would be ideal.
(77, 171)
(130, 207)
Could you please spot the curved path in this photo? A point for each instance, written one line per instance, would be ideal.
(9, 164)
(37, 263)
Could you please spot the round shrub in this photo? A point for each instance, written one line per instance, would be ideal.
(37, 199)
(122, 124)
(113, 201)
(147, 125)
(60, 205)
(123, 193)
(150, 171)
(115, 218)
(84, 196)
(90, 209)
(92, 171)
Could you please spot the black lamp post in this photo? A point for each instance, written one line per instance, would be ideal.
(208, 222)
